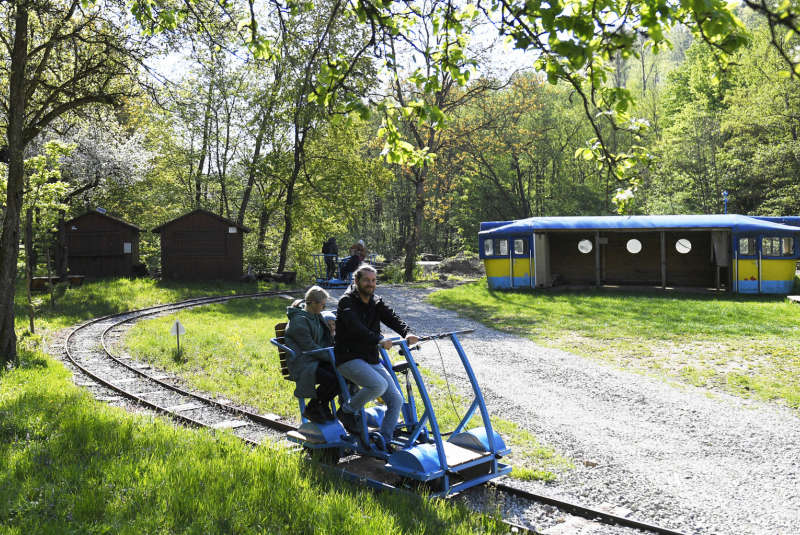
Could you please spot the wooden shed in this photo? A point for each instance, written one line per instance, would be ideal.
(202, 245)
(101, 245)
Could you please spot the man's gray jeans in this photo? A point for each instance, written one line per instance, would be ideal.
(374, 381)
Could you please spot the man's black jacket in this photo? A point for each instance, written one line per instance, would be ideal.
(358, 327)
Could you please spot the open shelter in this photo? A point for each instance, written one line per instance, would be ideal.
(732, 252)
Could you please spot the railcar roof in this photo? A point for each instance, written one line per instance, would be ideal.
(734, 222)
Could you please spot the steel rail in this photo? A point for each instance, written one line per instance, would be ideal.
(149, 311)
(588, 512)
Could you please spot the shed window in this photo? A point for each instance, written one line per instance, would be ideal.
(502, 247)
(200, 243)
(777, 246)
(488, 250)
(747, 246)
(520, 246)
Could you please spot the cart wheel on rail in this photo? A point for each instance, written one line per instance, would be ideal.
(329, 456)
(422, 487)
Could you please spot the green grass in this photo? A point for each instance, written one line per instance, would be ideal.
(745, 345)
(226, 350)
(100, 297)
(69, 464)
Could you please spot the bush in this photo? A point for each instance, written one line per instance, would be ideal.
(394, 273)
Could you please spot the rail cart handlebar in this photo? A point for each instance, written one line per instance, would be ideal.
(427, 338)
(444, 335)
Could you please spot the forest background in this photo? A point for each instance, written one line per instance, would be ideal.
(197, 122)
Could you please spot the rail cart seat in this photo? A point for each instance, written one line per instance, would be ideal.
(283, 351)
(283, 356)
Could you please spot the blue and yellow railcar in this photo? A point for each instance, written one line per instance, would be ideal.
(724, 252)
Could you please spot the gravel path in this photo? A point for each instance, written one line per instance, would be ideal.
(678, 456)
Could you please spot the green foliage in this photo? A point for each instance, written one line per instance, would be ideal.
(693, 338)
(734, 131)
(577, 50)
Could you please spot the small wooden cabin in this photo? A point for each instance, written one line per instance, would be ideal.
(101, 245)
(732, 252)
(202, 245)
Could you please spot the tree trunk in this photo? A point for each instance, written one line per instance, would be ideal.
(198, 180)
(299, 145)
(9, 242)
(416, 231)
(251, 177)
(62, 254)
(28, 263)
(287, 220)
(49, 275)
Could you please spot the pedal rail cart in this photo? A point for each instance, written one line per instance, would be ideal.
(337, 281)
(421, 454)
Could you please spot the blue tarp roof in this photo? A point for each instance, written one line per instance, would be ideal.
(736, 223)
(784, 220)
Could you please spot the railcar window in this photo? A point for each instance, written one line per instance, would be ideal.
(747, 246)
(520, 246)
(787, 246)
(503, 247)
(585, 246)
(770, 246)
(634, 246)
(488, 250)
(683, 246)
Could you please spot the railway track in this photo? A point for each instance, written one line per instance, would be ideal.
(86, 348)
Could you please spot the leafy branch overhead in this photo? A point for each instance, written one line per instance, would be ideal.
(571, 41)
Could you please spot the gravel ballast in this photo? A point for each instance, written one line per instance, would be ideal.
(679, 456)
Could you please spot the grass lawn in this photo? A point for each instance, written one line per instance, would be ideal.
(69, 464)
(226, 350)
(100, 297)
(746, 345)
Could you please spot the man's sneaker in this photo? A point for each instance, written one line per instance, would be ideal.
(349, 421)
(326, 410)
(314, 414)
(388, 446)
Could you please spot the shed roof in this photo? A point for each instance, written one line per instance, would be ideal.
(113, 218)
(733, 222)
(161, 227)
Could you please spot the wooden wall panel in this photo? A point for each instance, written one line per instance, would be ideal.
(567, 262)
(95, 246)
(622, 267)
(201, 246)
(695, 268)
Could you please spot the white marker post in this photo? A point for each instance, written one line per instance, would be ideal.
(178, 330)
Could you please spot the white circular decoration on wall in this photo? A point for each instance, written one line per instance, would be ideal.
(634, 246)
(683, 246)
